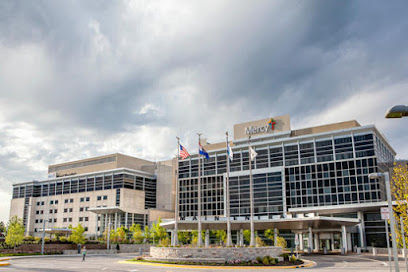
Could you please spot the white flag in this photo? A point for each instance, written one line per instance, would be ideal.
(229, 151)
(253, 154)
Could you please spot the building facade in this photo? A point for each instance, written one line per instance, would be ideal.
(311, 182)
(113, 190)
(319, 171)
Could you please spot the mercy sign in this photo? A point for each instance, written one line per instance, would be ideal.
(261, 129)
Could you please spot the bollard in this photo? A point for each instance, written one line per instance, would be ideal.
(325, 250)
(374, 252)
(343, 251)
(140, 251)
(359, 251)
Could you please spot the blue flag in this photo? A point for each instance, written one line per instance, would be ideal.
(203, 152)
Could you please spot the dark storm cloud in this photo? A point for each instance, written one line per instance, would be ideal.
(85, 78)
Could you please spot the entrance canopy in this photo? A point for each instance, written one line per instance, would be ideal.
(62, 231)
(316, 222)
(104, 210)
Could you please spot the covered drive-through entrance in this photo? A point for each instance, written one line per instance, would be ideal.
(314, 233)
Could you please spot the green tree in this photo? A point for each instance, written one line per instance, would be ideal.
(15, 232)
(147, 234)
(399, 189)
(259, 242)
(137, 235)
(247, 236)
(159, 231)
(77, 236)
(184, 237)
(270, 234)
(194, 237)
(280, 241)
(2, 227)
(221, 236)
(121, 234)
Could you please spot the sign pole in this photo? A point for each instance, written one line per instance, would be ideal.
(403, 241)
(387, 236)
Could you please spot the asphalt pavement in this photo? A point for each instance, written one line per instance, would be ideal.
(330, 263)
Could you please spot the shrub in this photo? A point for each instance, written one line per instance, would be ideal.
(265, 260)
(259, 259)
(259, 242)
(63, 239)
(46, 239)
(280, 241)
(37, 240)
(292, 258)
(28, 238)
(285, 256)
(164, 242)
(53, 240)
(272, 261)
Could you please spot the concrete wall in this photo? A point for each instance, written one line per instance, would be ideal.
(238, 253)
(155, 214)
(132, 200)
(166, 184)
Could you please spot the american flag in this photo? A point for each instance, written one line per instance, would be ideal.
(183, 152)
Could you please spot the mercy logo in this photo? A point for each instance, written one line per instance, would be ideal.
(271, 124)
(261, 129)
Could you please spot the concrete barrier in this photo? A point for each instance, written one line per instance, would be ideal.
(227, 253)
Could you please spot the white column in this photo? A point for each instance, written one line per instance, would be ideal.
(361, 229)
(301, 244)
(316, 242)
(96, 225)
(126, 219)
(275, 236)
(241, 237)
(332, 240)
(349, 243)
(207, 238)
(106, 221)
(310, 241)
(344, 238)
(238, 242)
(116, 220)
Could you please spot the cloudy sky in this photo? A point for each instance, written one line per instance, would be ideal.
(87, 78)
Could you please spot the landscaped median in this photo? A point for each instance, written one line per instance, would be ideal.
(265, 262)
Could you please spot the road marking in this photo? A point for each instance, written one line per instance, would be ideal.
(134, 270)
(104, 268)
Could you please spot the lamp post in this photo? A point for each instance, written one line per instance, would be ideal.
(43, 236)
(392, 219)
(109, 228)
(398, 111)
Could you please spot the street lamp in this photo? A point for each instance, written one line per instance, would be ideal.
(392, 219)
(109, 228)
(397, 112)
(43, 235)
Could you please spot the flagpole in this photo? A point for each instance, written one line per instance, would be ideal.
(251, 192)
(199, 240)
(227, 193)
(176, 209)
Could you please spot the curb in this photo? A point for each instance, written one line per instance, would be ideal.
(58, 255)
(3, 260)
(306, 264)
